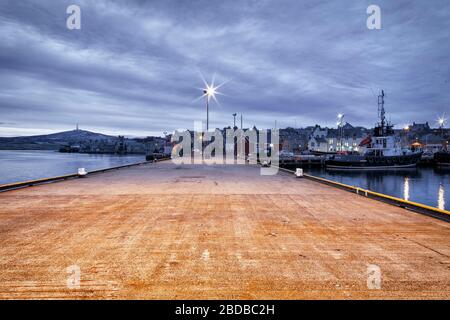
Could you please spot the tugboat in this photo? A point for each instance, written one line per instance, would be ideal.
(382, 150)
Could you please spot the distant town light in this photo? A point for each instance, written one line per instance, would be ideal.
(406, 128)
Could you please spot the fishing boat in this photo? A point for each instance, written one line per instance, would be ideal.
(442, 158)
(382, 150)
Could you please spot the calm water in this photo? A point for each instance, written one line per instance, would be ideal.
(429, 186)
(22, 165)
(424, 185)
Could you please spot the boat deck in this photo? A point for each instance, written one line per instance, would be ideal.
(166, 231)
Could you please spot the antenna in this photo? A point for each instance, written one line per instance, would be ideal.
(381, 112)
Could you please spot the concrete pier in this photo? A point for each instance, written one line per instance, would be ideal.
(163, 231)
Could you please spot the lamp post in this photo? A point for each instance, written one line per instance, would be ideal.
(341, 128)
(209, 92)
(205, 91)
(234, 120)
(441, 122)
(405, 130)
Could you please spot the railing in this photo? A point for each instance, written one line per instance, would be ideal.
(29, 183)
(406, 204)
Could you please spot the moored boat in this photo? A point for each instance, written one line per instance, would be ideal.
(382, 152)
(442, 158)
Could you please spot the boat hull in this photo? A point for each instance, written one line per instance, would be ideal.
(373, 163)
(396, 167)
(442, 158)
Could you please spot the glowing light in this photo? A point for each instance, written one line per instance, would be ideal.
(441, 198)
(441, 121)
(406, 189)
(210, 90)
(340, 118)
(406, 128)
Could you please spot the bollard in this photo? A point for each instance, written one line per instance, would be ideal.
(299, 172)
(82, 172)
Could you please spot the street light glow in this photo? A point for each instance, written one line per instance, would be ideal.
(441, 120)
(210, 91)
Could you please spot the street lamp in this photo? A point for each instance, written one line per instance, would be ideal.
(441, 122)
(405, 131)
(234, 120)
(340, 123)
(210, 91)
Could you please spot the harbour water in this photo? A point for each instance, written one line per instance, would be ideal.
(430, 186)
(22, 165)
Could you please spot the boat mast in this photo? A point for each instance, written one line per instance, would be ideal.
(381, 112)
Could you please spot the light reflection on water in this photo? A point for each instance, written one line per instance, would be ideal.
(406, 189)
(430, 186)
(16, 166)
(441, 197)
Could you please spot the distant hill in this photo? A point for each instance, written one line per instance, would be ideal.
(53, 141)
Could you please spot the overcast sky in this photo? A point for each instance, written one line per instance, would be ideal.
(135, 67)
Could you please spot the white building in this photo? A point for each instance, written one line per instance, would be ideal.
(333, 140)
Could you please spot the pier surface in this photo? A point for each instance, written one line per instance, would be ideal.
(162, 231)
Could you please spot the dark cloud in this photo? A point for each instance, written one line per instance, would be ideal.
(134, 67)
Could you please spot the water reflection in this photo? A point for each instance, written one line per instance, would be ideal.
(406, 189)
(441, 197)
(422, 184)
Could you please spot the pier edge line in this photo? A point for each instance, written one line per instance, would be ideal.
(405, 204)
(30, 183)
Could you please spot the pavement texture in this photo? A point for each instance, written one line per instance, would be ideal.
(168, 231)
